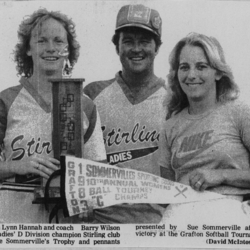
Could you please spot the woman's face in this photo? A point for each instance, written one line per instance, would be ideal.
(196, 77)
(46, 42)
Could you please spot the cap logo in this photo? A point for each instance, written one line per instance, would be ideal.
(157, 22)
(139, 13)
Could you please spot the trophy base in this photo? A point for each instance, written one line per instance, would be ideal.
(54, 198)
(39, 193)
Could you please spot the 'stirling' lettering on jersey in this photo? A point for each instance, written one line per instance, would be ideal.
(32, 147)
(139, 134)
(136, 135)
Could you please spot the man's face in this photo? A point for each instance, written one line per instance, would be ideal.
(137, 51)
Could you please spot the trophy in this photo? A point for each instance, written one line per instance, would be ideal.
(67, 117)
(67, 120)
(67, 131)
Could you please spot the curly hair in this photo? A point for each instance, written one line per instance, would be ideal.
(226, 88)
(24, 62)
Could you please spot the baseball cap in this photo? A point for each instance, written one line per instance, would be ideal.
(139, 16)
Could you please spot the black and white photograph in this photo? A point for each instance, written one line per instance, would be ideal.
(125, 124)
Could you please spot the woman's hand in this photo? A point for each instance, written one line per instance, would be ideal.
(36, 164)
(201, 179)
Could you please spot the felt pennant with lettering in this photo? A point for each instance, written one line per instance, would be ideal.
(90, 185)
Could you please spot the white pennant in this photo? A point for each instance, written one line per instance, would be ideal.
(97, 185)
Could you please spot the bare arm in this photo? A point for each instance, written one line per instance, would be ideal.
(201, 179)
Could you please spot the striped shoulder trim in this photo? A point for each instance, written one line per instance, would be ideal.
(9, 95)
(88, 105)
(89, 109)
(95, 88)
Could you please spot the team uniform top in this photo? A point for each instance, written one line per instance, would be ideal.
(131, 127)
(25, 130)
(217, 139)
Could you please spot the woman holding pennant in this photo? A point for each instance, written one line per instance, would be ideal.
(206, 140)
(47, 49)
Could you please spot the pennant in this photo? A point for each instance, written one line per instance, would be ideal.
(92, 185)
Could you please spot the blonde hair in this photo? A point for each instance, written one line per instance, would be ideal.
(226, 88)
(24, 62)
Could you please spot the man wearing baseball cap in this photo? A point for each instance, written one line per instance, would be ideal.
(131, 109)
